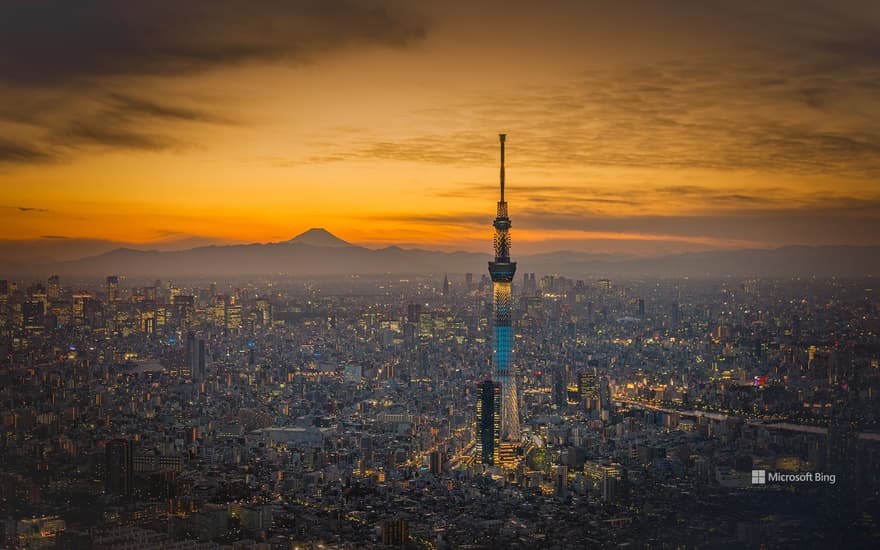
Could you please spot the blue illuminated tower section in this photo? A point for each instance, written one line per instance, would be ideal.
(502, 270)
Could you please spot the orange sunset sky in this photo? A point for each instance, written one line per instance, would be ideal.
(637, 127)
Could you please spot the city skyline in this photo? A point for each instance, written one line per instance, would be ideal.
(248, 298)
(639, 130)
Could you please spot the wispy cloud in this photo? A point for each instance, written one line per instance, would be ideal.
(730, 115)
(93, 132)
(831, 221)
(138, 106)
(22, 153)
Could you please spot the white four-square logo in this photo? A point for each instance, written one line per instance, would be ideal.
(759, 477)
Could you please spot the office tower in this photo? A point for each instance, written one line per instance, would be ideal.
(264, 310)
(119, 468)
(148, 323)
(435, 460)
(469, 281)
(445, 286)
(200, 357)
(530, 285)
(641, 308)
(560, 482)
(488, 422)
(588, 389)
(54, 291)
(196, 352)
(502, 271)
(426, 325)
(560, 392)
(32, 314)
(183, 309)
(613, 484)
(604, 393)
(395, 532)
(112, 288)
(232, 316)
(79, 306)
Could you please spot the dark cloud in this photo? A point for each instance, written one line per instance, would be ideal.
(19, 153)
(53, 237)
(43, 42)
(31, 209)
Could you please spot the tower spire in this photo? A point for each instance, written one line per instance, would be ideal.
(501, 138)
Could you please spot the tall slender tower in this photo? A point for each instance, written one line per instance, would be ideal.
(502, 271)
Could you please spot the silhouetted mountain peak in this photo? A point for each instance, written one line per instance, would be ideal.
(317, 252)
(318, 236)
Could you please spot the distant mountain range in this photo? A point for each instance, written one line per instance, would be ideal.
(318, 252)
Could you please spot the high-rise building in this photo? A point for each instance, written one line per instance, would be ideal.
(54, 291)
(112, 288)
(488, 422)
(183, 309)
(560, 481)
(196, 353)
(588, 389)
(395, 532)
(232, 315)
(435, 460)
(32, 314)
(264, 309)
(559, 389)
(118, 467)
(612, 482)
(502, 271)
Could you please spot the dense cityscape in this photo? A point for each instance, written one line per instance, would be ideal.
(661, 332)
(344, 413)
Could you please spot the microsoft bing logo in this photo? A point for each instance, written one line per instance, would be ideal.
(759, 477)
